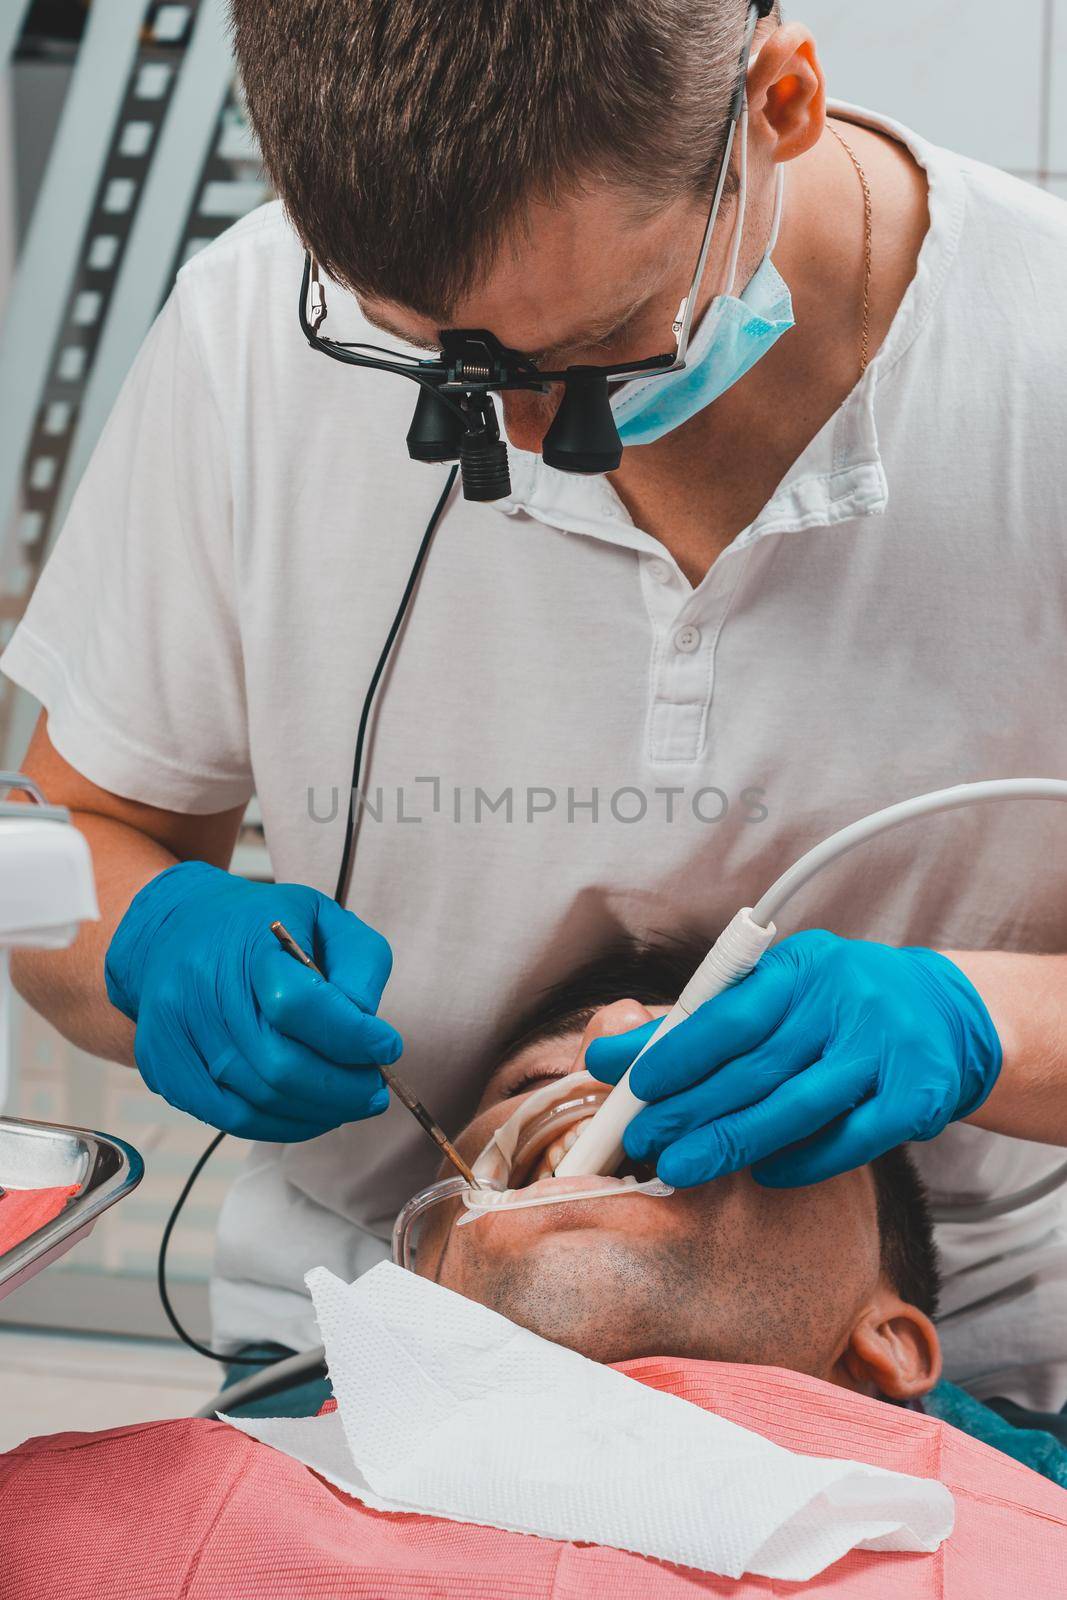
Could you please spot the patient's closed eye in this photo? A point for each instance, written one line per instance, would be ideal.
(528, 1080)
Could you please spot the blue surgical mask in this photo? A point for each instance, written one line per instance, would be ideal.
(734, 332)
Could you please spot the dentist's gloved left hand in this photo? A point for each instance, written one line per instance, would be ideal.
(234, 1030)
(831, 1052)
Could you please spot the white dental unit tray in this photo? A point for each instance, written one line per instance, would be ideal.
(46, 893)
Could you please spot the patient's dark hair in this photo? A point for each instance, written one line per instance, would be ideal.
(655, 972)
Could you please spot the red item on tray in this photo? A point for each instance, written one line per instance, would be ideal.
(23, 1211)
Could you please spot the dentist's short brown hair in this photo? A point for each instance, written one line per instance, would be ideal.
(406, 136)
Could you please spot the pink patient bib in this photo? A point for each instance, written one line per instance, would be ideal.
(196, 1510)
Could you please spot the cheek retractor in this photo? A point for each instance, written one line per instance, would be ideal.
(545, 1117)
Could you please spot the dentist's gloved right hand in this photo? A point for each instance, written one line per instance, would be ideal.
(234, 1030)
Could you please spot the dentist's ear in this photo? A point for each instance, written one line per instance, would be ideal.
(893, 1351)
(786, 93)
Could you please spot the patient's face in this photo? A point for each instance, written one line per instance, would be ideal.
(728, 1271)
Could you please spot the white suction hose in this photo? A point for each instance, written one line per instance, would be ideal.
(599, 1148)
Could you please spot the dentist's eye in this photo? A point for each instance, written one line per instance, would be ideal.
(610, 340)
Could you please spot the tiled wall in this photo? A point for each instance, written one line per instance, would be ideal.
(985, 77)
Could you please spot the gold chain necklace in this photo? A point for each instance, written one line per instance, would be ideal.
(865, 347)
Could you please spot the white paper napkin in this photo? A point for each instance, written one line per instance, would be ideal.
(449, 1409)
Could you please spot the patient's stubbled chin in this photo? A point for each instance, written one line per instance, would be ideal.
(726, 1272)
(549, 1291)
(591, 1275)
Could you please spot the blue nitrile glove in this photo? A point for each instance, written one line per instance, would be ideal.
(829, 1053)
(234, 1030)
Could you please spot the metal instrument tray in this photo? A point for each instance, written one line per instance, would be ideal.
(43, 1155)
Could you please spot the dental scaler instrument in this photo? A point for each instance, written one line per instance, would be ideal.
(396, 1084)
(599, 1147)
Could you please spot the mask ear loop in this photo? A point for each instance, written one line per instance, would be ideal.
(742, 198)
(742, 203)
(776, 220)
(779, 182)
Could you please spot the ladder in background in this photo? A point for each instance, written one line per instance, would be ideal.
(152, 159)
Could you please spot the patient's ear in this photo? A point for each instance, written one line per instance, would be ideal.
(893, 1350)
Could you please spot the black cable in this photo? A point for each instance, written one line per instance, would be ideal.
(359, 344)
(340, 891)
(345, 871)
(161, 1267)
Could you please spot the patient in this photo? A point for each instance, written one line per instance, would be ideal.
(797, 1313)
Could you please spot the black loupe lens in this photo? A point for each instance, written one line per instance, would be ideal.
(436, 431)
(583, 436)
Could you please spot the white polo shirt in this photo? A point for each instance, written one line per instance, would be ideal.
(572, 741)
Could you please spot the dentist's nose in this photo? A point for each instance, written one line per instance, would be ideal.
(528, 416)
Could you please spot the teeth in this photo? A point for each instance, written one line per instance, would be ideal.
(557, 1150)
(544, 1166)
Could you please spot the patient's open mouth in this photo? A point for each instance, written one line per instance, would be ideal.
(537, 1161)
(517, 1167)
(545, 1169)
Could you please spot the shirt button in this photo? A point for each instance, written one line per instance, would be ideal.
(687, 640)
(659, 572)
